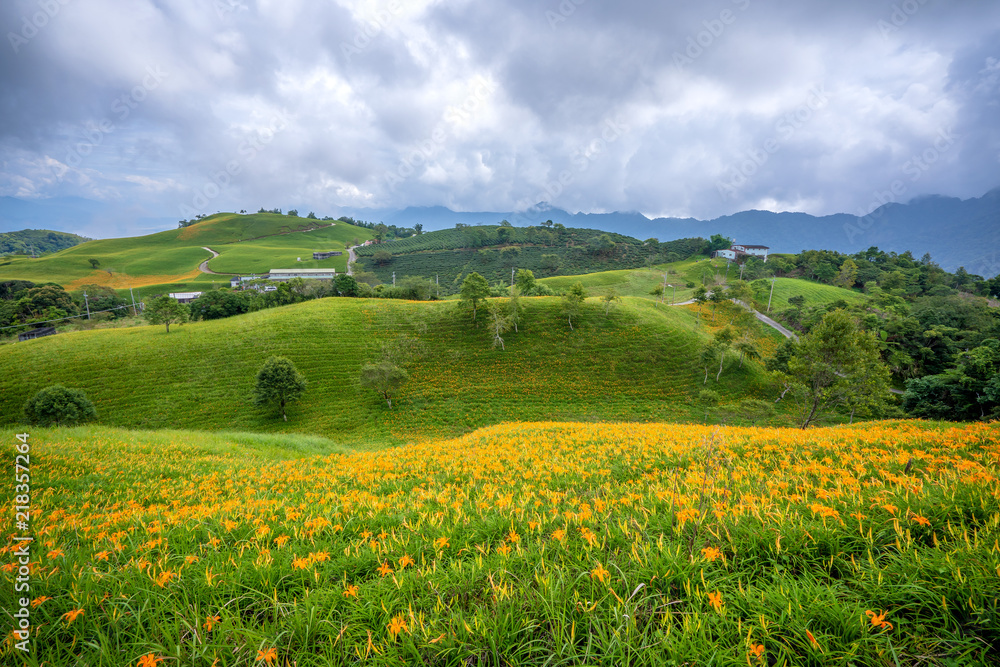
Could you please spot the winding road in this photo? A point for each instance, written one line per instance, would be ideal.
(204, 265)
(351, 258)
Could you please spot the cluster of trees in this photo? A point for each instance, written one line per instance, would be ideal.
(37, 242)
(23, 302)
(383, 231)
(899, 274)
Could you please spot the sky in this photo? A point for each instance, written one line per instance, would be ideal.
(701, 109)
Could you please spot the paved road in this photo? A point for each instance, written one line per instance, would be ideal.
(204, 265)
(351, 258)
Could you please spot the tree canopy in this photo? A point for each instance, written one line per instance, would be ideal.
(278, 383)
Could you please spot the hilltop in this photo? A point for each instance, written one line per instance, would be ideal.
(639, 363)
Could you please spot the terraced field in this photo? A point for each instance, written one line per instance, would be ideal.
(200, 375)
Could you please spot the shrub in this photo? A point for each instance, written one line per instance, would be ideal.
(57, 405)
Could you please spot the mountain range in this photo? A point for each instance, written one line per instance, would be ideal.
(955, 232)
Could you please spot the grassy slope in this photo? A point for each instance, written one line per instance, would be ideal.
(173, 256)
(200, 375)
(816, 294)
(281, 252)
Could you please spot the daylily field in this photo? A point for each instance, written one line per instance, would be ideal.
(536, 543)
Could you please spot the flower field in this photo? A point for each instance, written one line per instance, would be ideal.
(536, 543)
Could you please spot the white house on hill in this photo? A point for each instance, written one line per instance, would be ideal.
(739, 252)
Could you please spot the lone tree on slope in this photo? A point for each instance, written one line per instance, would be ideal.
(166, 310)
(57, 405)
(385, 378)
(475, 289)
(573, 301)
(278, 381)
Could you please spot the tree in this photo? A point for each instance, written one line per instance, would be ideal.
(747, 348)
(525, 281)
(834, 365)
(718, 242)
(515, 309)
(573, 301)
(94, 263)
(418, 229)
(382, 256)
(700, 297)
(657, 292)
(499, 321)
(716, 297)
(165, 310)
(609, 299)
(475, 289)
(278, 381)
(293, 212)
(345, 285)
(723, 339)
(57, 405)
(385, 378)
(311, 216)
(848, 274)
(216, 304)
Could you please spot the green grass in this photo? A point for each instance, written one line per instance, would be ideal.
(633, 282)
(282, 252)
(173, 256)
(816, 294)
(200, 375)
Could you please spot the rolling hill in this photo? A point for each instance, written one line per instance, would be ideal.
(245, 243)
(200, 375)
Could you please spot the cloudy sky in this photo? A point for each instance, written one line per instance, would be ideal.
(171, 108)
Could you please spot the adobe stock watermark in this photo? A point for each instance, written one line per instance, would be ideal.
(566, 8)
(611, 131)
(122, 106)
(246, 152)
(371, 28)
(424, 151)
(749, 163)
(915, 168)
(899, 16)
(32, 24)
(702, 40)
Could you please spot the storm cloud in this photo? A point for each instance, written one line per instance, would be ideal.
(677, 109)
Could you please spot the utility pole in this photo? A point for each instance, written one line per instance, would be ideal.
(86, 301)
(770, 295)
(132, 294)
(742, 266)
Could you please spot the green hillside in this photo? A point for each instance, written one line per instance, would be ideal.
(816, 294)
(173, 256)
(492, 251)
(200, 375)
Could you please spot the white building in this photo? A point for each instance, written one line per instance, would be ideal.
(739, 252)
(288, 274)
(184, 297)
